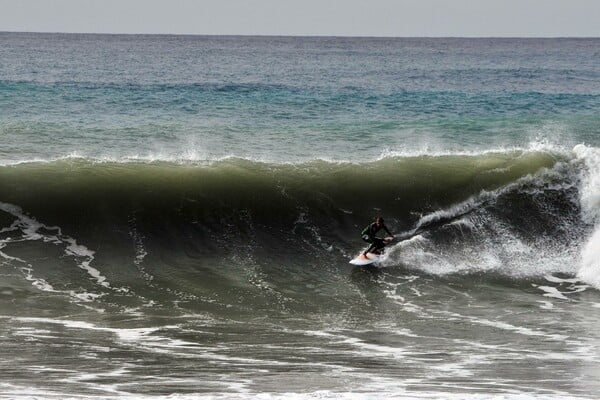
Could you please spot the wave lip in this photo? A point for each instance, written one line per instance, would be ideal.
(197, 156)
(396, 185)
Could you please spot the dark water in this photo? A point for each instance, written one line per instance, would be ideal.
(177, 215)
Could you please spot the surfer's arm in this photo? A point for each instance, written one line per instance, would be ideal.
(388, 231)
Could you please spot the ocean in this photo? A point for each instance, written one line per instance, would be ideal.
(177, 214)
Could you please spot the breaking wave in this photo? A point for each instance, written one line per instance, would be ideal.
(183, 227)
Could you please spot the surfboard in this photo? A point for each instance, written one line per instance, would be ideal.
(371, 258)
(362, 260)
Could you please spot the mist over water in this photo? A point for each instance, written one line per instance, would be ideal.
(177, 215)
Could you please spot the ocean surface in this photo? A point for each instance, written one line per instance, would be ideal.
(177, 214)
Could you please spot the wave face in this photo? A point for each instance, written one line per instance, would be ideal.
(515, 213)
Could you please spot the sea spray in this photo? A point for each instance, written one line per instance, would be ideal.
(590, 205)
(590, 260)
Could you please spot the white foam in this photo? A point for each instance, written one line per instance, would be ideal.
(553, 292)
(78, 250)
(505, 326)
(590, 205)
(32, 231)
(554, 279)
(27, 271)
(590, 261)
(546, 305)
(124, 334)
(535, 146)
(196, 155)
(455, 210)
(590, 191)
(140, 255)
(388, 390)
(498, 247)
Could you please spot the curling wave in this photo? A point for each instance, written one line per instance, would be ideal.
(516, 213)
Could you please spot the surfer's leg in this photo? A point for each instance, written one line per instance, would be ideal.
(368, 239)
(378, 245)
(371, 248)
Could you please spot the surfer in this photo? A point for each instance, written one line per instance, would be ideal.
(368, 235)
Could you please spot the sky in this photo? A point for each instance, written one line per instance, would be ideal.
(402, 18)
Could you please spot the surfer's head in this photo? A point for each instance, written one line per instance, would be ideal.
(379, 221)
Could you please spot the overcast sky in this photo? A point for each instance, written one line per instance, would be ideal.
(546, 18)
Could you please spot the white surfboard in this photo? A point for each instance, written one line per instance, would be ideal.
(363, 260)
(370, 258)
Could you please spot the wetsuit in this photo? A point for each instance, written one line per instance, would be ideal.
(368, 235)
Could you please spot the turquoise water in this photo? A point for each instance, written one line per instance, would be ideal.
(204, 98)
(177, 214)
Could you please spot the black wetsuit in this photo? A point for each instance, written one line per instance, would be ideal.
(368, 235)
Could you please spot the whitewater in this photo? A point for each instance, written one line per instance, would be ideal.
(177, 214)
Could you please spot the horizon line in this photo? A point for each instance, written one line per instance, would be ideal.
(293, 35)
